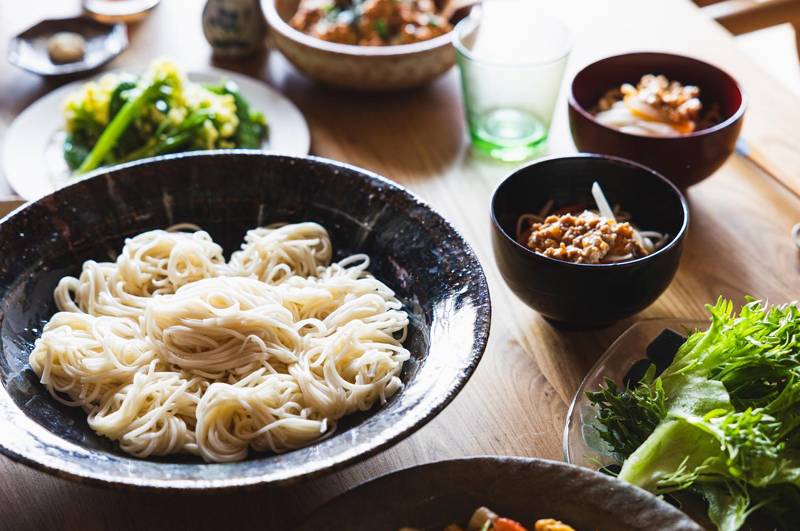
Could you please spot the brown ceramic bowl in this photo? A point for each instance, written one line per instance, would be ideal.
(684, 159)
(433, 495)
(375, 68)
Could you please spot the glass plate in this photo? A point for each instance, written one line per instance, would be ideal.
(629, 356)
(582, 446)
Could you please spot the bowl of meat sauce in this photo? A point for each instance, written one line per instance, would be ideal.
(497, 493)
(675, 114)
(587, 240)
(369, 45)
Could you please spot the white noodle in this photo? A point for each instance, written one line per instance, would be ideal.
(170, 349)
(620, 116)
(602, 202)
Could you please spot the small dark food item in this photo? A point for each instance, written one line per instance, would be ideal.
(370, 22)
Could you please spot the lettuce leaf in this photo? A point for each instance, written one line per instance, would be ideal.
(723, 419)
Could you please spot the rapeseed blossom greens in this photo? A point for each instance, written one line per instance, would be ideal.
(121, 118)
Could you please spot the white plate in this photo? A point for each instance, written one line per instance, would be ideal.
(32, 157)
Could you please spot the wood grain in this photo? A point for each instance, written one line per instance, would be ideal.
(516, 402)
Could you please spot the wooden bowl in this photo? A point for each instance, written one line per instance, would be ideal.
(683, 159)
(371, 68)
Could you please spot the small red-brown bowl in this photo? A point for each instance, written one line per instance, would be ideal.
(683, 159)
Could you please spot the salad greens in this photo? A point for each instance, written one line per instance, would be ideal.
(122, 118)
(723, 419)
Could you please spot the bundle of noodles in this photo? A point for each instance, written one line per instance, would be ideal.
(275, 253)
(265, 411)
(154, 414)
(171, 350)
(153, 263)
(85, 357)
(222, 324)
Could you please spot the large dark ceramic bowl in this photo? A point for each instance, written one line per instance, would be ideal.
(413, 250)
(585, 294)
(683, 159)
(429, 497)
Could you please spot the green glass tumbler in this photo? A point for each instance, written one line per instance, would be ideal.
(512, 62)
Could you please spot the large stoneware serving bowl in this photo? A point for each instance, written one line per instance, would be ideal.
(431, 496)
(368, 68)
(413, 250)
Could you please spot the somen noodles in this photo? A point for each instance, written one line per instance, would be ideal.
(172, 349)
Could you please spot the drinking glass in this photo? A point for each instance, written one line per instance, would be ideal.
(512, 61)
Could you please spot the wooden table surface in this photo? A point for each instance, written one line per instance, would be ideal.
(515, 404)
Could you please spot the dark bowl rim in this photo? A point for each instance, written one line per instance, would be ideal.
(481, 328)
(276, 22)
(736, 116)
(511, 459)
(117, 29)
(605, 160)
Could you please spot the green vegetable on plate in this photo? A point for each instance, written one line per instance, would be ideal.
(723, 420)
(121, 118)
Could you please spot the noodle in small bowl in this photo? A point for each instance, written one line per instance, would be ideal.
(569, 281)
(233, 318)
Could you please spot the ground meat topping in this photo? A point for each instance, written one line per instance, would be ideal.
(584, 239)
(370, 22)
(677, 103)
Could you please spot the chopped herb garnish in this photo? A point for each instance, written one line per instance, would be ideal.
(382, 29)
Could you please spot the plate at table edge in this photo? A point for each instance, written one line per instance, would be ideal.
(32, 161)
(422, 494)
(615, 363)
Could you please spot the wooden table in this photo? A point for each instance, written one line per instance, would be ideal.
(516, 402)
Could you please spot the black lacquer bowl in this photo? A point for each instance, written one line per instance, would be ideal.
(434, 495)
(413, 250)
(583, 294)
